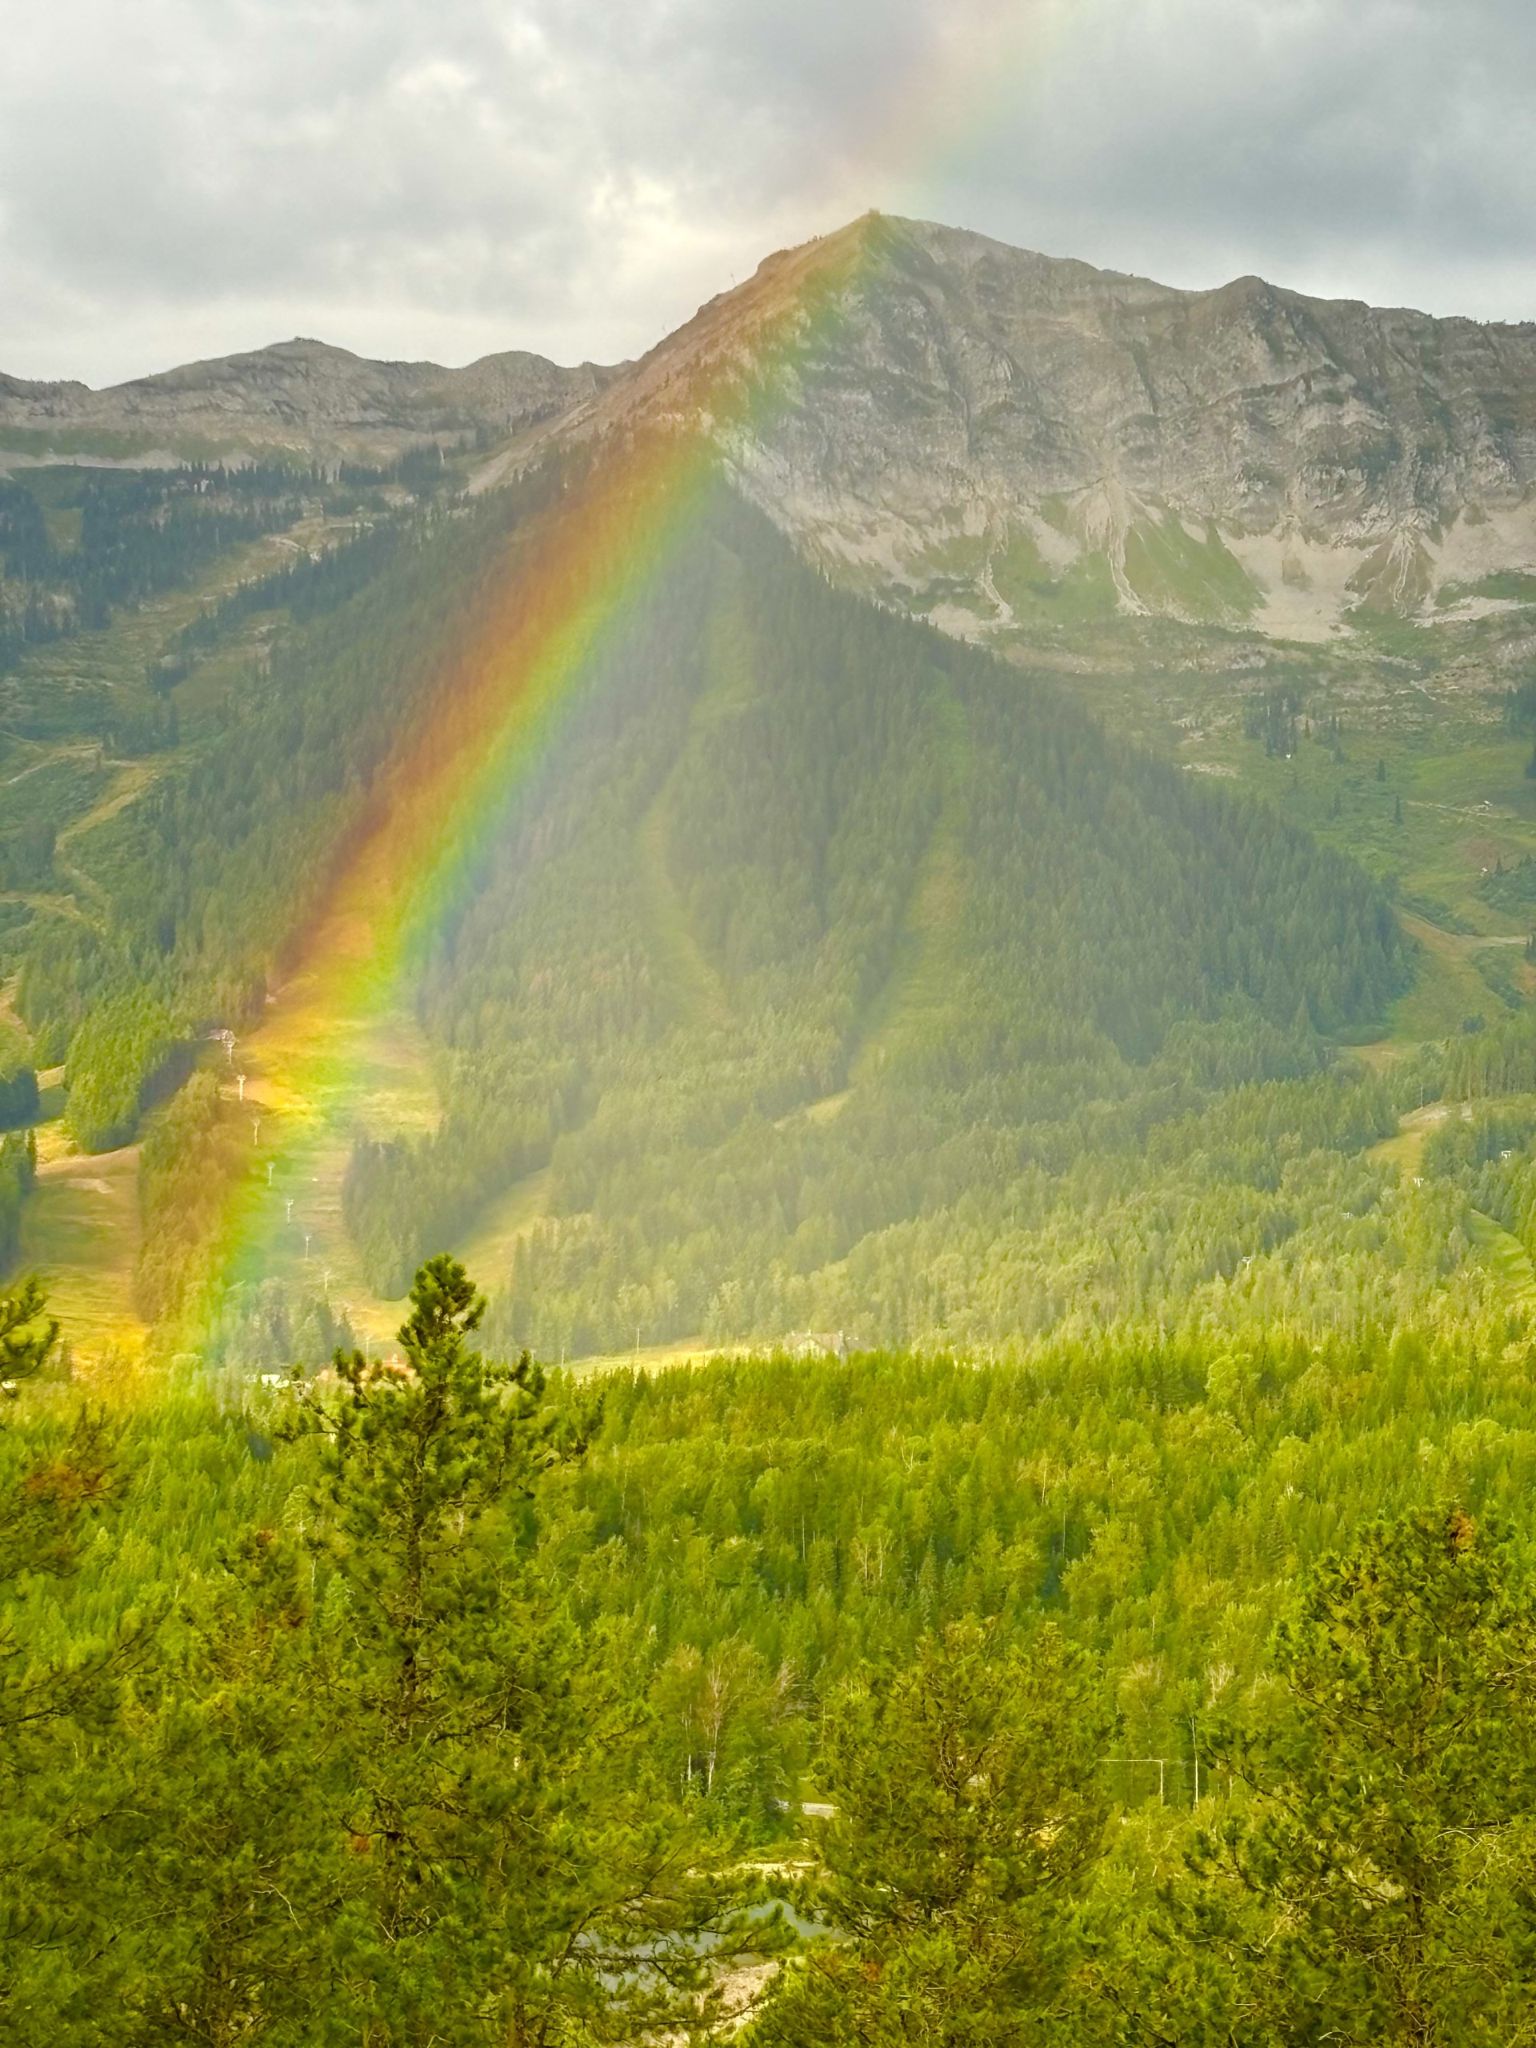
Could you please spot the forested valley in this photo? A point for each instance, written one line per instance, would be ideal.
(822, 974)
(1068, 1577)
(1133, 1693)
(817, 932)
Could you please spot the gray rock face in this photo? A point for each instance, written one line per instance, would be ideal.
(1249, 404)
(1003, 438)
(299, 397)
(1007, 443)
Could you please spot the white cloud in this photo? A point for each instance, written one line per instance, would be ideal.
(185, 177)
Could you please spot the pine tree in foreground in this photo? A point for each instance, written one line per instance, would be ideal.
(967, 1815)
(55, 1703)
(1373, 1880)
(519, 1875)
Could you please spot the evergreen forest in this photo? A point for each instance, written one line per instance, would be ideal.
(1128, 1694)
(899, 1410)
(822, 973)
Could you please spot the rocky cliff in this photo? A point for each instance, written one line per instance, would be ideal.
(1009, 441)
(1010, 444)
(299, 398)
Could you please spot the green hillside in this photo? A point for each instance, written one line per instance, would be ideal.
(824, 973)
(819, 936)
(383, 1707)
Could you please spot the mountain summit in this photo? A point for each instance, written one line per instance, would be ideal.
(1007, 443)
(1004, 439)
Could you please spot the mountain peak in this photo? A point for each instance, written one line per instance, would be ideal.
(995, 437)
(991, 436)
(301, 397)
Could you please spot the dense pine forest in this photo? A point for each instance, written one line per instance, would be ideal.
(818, 928)
(1070, 1583)
(822, 974)
(1131, 1693)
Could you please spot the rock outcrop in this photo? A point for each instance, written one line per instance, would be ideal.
(300, 399)
(1006, 440)
(1007, 443)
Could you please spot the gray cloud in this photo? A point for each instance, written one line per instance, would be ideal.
(445, 177)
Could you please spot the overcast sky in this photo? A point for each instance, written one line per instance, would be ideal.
(182, 178)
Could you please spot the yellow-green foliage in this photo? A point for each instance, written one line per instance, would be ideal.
(117, 1050)
(1172, 572)
(1041, 594)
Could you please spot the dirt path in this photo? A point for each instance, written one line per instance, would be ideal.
(1454, 945)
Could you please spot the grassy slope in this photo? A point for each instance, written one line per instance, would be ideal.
(488, 1249)
(81, 1230)
(81, 1234)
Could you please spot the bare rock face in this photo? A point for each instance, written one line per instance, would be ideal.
(1008, 441)
(300, 399)
(1009, 444)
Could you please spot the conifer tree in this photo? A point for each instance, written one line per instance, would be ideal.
(967, 1814)
(54, 1704)
(223, 1882)
(27, 1334)
(522, 1876)
(1372, 1882)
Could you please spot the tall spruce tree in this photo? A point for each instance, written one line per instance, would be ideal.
(1372, 1881)
(967, 1814)
(522, 1875)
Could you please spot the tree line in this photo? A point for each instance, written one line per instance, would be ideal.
(330, 1713)
(782, 845)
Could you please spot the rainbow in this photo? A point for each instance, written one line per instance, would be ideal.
(299, 1079)
(453, 778)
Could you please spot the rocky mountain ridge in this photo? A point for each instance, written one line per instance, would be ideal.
(1010, 444)
(299, 398)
